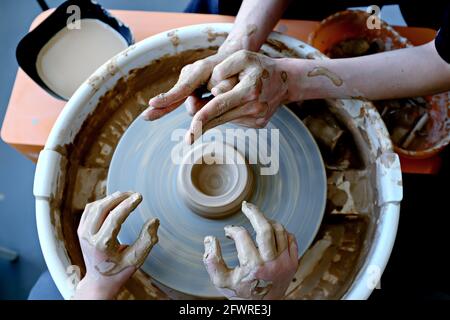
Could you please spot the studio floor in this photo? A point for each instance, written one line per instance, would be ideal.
(418, 267)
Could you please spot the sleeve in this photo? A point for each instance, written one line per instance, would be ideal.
(442, 41)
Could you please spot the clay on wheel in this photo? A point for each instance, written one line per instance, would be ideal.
(214, 185)
(294, 196)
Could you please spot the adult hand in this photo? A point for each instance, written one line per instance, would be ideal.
(265, 270)
(262, 86)
(108, 263)
(192, 77)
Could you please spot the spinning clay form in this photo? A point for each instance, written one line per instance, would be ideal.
(214, 185)
(194, 196)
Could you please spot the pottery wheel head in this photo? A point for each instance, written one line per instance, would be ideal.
(195, 191)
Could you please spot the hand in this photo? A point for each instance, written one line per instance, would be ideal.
(192, 77)
(108, 263)
(265, 271)
(262, 87)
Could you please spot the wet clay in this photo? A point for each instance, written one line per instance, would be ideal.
(320, 71)
(212, 35)
(328, 134)
(324, 267)
(174, 38)
(416, 124)
(251, 29)
(284, 76)
(213, 176)
(282, 48)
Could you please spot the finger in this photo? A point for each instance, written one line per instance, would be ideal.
(229, 67)
(223, 103)
(224, 86)
(111, 227)
(293, 247)
(250, 122)
(281, 238)
(248, 111)
(101, 208)
(194, 103)
(177, 93)
(84, 215)
(151, 113)
(215, 108)
(191, 77)
(136, 254)
(88, 213)
(270, 111)
(265, 238)
(214, 263)
(246, 250)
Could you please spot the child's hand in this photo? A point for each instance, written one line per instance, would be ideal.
(265, 270)
(108, 263)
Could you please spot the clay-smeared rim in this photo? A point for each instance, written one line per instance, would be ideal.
(83, 102)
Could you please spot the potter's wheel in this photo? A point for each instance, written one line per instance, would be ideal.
(142, 162)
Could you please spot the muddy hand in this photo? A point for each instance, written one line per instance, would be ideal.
(192, 77)
(108, 263)
(262, 86)
(265, 270)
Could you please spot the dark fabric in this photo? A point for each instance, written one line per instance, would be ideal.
(442, 41)
(424, 14)
(45, 289)
(416, 13)
(203, 6)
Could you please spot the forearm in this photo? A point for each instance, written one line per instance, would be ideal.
(408, 72)
(255, 20)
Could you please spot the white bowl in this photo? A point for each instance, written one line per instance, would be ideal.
(369, 132)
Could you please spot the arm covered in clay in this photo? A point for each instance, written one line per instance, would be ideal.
(254, 22)
(265, 83)
(265, 270)
(409, 72)
(108, 263)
